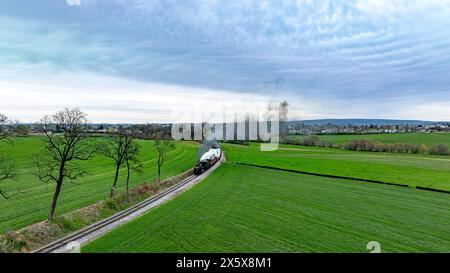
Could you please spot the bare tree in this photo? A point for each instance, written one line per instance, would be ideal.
(6, 168)
(6, 172)
(4, 131)
(439, 149)
(133, 163)
(66, 142)
(162, 147)
(122, 149)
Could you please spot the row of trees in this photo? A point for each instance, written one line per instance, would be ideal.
(313, 140)
(66, 142)
(373, 146)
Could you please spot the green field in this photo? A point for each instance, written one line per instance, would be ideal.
(409, 169)
(247, 209)
(33, 202)
(429, 139)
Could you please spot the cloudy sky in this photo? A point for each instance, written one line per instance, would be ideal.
(151, 61)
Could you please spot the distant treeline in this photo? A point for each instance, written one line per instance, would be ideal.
(373, 146)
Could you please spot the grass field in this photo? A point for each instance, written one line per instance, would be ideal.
(247, 209)
(429, 139)
(412, 170)
(33, 202)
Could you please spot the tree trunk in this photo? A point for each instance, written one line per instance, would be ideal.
(128, 176)
(116, 177)
(55, 200)
(158, 177)
(160, 162)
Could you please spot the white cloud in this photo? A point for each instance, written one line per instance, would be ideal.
(111, 99)
(338, 54)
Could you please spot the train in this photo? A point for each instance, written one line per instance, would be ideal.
(208, 159)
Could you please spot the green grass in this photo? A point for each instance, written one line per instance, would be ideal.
(409, 169)
(32, 204)
(247, 209)
(429, 139)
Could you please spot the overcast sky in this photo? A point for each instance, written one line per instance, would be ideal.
(148, 61)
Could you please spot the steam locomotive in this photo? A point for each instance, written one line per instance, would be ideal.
(207, 160)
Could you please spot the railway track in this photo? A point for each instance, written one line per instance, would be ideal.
(108, 221)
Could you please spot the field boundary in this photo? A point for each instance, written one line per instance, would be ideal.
(342, 177)
(431, 189)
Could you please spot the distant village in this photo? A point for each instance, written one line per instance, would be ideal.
(332, 129)
(297, 128)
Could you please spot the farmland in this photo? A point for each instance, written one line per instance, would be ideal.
(32, 202)
(247, 209)
(408, 169)
(429, 139)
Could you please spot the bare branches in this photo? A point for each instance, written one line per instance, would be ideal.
(162, 147)
(117, 145)
(73, 173)
(66, 141)
(46, 167)
(122, 149)
(7, 170)
(4, 130)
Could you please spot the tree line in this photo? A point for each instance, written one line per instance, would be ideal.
(373, 146)
(67, 141)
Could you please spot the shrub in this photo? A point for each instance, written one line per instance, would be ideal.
(415, 149)
(363, 145)
(372, 146)
(309, 141)
(111, 204)
(69, 222)
(423, 149)
(324, 144)
(439, 149)
(63, 222)
(13, 241)
(295, 141)
(3, 247)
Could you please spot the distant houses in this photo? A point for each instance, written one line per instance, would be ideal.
(299, 128)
